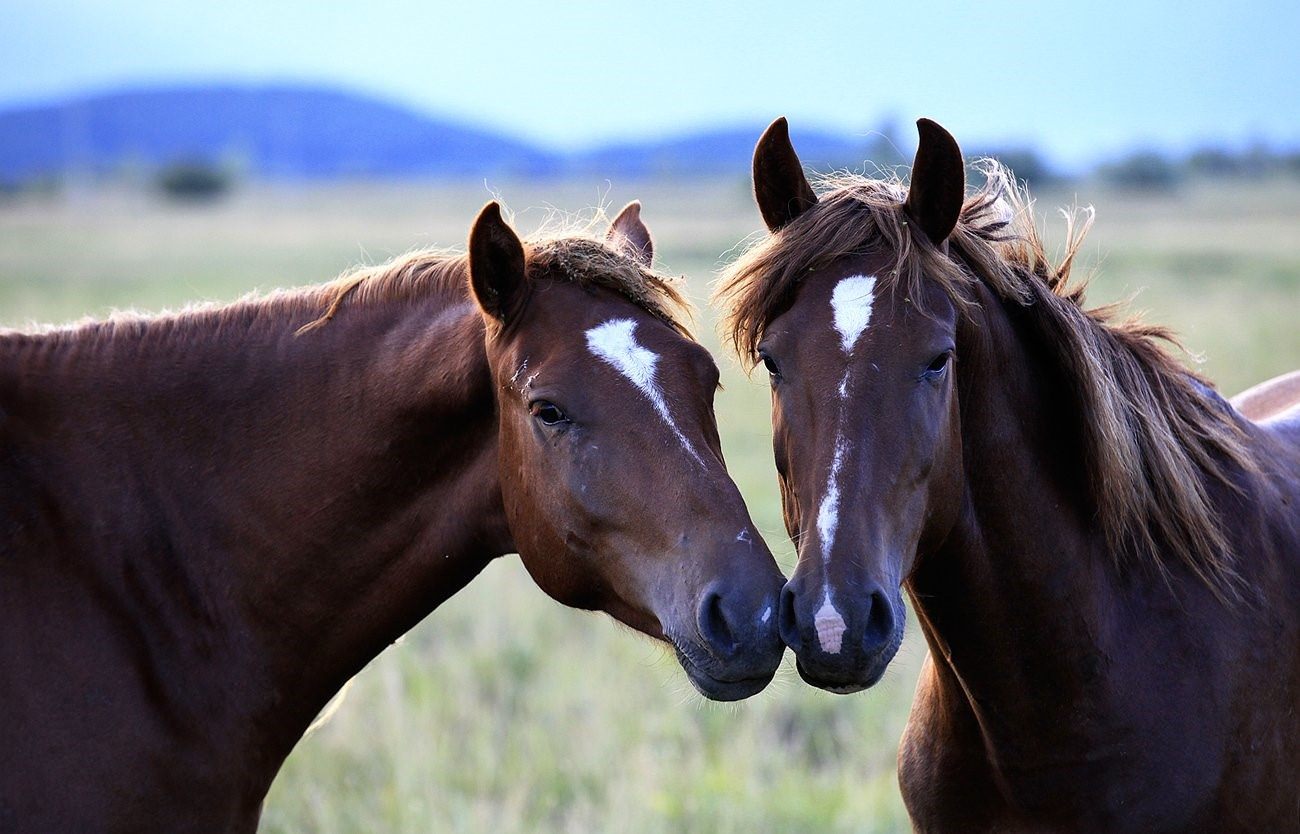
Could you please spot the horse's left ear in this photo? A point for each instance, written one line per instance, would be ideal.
(496, 265)
(629, 235)
(938, 182)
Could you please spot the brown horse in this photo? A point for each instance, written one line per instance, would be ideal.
(210, 521)
(1103, 554)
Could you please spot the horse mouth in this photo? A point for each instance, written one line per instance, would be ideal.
(846, 680)
(837, 685)
(720, 689)
(717, 685)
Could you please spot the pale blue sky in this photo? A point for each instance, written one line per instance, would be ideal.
(1081, 80)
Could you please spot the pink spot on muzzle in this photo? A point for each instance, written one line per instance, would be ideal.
(830, 627)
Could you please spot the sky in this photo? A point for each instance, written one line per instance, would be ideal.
(1081, 81)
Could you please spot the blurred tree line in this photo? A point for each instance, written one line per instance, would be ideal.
(1151, 170)
(204, 180)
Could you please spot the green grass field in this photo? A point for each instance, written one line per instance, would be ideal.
(505, 712)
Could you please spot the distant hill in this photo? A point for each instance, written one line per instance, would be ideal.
(297, 132)
(282, 131)
(729, 151)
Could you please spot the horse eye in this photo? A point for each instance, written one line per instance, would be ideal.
(772, 369)
(549, 413)
(938, 364)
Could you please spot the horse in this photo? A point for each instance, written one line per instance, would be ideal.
(1102, 553)
(211, 520)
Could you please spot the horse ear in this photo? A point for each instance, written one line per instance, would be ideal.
(780, 188)
(938, 182)
(630, 236)
(496, 265)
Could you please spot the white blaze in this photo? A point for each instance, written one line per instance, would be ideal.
(615, 342)
(851, 302)
(828, 514)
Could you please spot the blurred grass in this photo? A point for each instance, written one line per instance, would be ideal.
(505, 712)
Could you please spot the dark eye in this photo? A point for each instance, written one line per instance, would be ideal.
(772, 370)
(548, 413)
(937, 365)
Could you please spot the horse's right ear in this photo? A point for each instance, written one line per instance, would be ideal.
(496, 265)
(780, 188)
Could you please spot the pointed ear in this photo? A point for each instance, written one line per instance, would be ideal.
(780, 188)
(496, 265)
(629, 235)
(938, 182)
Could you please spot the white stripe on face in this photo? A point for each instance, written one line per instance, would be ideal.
(615, 342)
(851, 307)
(851, 302)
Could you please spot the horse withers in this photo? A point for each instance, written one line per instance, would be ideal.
(1103, 555)
(210, 521)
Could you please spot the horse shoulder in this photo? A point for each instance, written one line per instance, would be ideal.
(943, 770)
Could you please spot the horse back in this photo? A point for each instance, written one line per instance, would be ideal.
(1270, 399)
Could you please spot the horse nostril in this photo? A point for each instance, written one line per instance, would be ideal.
(880, 622)
(789, 622)
(714, 627)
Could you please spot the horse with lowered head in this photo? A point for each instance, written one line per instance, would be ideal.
(210, 521)
(1103, 554)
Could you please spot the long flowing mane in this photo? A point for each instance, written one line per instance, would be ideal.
(1153, 435)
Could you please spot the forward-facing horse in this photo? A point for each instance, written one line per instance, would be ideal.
(210, 521)
(1103, 554)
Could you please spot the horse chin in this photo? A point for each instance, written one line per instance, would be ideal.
(847, 681)
(838, 684)
(717, 688)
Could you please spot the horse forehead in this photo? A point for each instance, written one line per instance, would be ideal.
(618, 342)
(834, 317)
(640, 351)
(850, 313)
(852, 301)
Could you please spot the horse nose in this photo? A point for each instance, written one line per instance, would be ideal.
(728, 619)
(880, 622)
(716, 624)
(815, 621)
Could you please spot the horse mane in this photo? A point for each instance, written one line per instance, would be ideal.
(1153, 433)
(569, 254)
(574, 255)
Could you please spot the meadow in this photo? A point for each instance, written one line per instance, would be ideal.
(506, 712)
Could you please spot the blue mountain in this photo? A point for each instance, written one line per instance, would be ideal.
(278, 131)
(300, 132)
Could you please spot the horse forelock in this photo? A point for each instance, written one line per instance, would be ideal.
(1154, 438)
(574, 255)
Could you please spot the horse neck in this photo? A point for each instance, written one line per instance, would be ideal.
(1024, 598)
(314, 496)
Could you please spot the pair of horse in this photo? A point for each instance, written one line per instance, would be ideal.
(210, 521)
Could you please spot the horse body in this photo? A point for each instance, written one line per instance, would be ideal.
(1276, 398)
(190, 571)
(1063, 694)
(209, 523)
(1103, 554)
